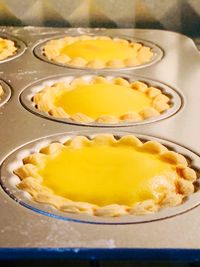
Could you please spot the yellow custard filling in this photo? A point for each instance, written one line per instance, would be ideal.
(104, 50)
(106, 174)
(7, 48)
(95, 100)
(2, 45)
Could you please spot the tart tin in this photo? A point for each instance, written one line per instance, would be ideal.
(157, 52)
(23, 230)
(6, 93)
(29, 92)
(20, 45)
(9, 182)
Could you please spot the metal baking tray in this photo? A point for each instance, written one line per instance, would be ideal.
(27, 232)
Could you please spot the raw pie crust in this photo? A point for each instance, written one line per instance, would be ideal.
(7, 48)
(44, 100)
(54, 51)
(167, 194)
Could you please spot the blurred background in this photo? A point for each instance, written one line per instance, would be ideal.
(176, 15)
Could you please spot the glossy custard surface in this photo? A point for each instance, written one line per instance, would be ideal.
(3, 44)
(95, 100)
(99, 49)
(107, 174)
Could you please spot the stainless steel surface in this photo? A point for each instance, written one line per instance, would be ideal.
(179, 68)
(9, 182)
(21, 47)
(28, 93)
(6, 93)
(157, 52)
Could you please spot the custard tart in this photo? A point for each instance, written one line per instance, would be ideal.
(97, 52)
(107, 176)
(102, 100)
(7, 48)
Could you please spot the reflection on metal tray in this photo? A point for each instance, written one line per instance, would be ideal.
(23, 228)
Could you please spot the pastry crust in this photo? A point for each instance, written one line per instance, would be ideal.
(44, 101)
(7, 48)
(53, 51)
(1, 92)
(170, 194)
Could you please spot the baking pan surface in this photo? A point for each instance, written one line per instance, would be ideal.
(178, 69)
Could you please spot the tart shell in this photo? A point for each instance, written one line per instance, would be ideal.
(9, 48)
(82, 64)
(53, 51)
(5, 93)
(160, 102)
(28, 94)
(13, 161)
(31, 181)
